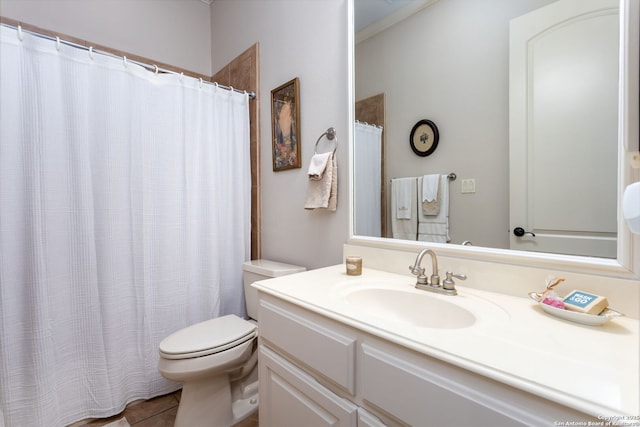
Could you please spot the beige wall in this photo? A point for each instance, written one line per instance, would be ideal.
(171, 32)
(464, 89)
(305, 39)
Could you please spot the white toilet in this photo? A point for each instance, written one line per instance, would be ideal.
(216, 360)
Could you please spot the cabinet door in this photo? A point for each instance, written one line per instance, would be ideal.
(291, 397)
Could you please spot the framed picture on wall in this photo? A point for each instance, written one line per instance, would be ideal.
(285, 125)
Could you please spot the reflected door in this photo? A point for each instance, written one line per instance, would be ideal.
(563, 128)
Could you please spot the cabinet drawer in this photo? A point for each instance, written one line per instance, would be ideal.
(365, 419)
(323, 350)
(429, 392)
(419, 397)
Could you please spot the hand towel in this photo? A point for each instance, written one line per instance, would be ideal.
(435, 228)
(404, 190)
(430, 187)
(318, 165)
(407, 228)
(323, 193)
(430, 194)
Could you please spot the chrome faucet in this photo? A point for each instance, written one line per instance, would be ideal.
(417, 270)
(432, 283)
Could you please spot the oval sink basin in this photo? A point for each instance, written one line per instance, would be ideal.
(412, 308)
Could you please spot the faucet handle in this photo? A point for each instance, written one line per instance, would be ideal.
(450, 275)
(448, 283)
(419, 271)
(416, 271)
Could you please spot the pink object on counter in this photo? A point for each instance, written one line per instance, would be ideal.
(553, 302)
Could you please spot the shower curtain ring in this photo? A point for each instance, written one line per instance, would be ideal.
(20, 35)
(124, 61)
(91, 52)
(58, 43)
(201, 82)
(156, 69)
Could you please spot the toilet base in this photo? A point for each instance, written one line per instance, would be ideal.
(208, 403)
(246, 405)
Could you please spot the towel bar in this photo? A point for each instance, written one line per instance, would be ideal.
(451, 177)
(331, 135)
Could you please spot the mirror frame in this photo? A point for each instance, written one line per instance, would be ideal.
(627, 263)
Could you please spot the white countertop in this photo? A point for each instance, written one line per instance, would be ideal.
(593, 369)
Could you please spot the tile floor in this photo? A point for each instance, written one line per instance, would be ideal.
(158, 412)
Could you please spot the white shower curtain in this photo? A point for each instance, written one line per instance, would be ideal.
(367, 179)
(124, 216)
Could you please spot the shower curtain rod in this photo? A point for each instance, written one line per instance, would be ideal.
(151, 67)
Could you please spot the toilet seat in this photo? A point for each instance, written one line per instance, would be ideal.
(208, 337)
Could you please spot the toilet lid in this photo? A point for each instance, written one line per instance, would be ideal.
(208, 337)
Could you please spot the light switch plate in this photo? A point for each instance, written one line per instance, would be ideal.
(468, 186)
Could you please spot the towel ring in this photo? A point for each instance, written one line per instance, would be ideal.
(331, 135)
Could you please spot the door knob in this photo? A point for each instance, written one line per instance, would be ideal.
(519, 231)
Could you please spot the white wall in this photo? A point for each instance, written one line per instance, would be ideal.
(464, 89)
(177, 33)
(305, 39)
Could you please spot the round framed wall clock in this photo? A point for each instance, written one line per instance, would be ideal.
(424, 138)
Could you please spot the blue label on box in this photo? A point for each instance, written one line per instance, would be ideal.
(580, 299)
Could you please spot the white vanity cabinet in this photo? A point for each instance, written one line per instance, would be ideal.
(317, 371)
(291, 397)
(295, 350)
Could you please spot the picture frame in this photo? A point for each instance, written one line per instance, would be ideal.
(424, 138)
(285, 126)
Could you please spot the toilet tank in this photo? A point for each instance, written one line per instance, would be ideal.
(261, 269)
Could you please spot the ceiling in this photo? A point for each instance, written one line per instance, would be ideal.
(369, 11)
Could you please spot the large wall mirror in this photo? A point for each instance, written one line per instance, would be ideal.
(525, 95)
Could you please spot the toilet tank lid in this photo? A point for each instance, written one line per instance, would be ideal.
(269, 268)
